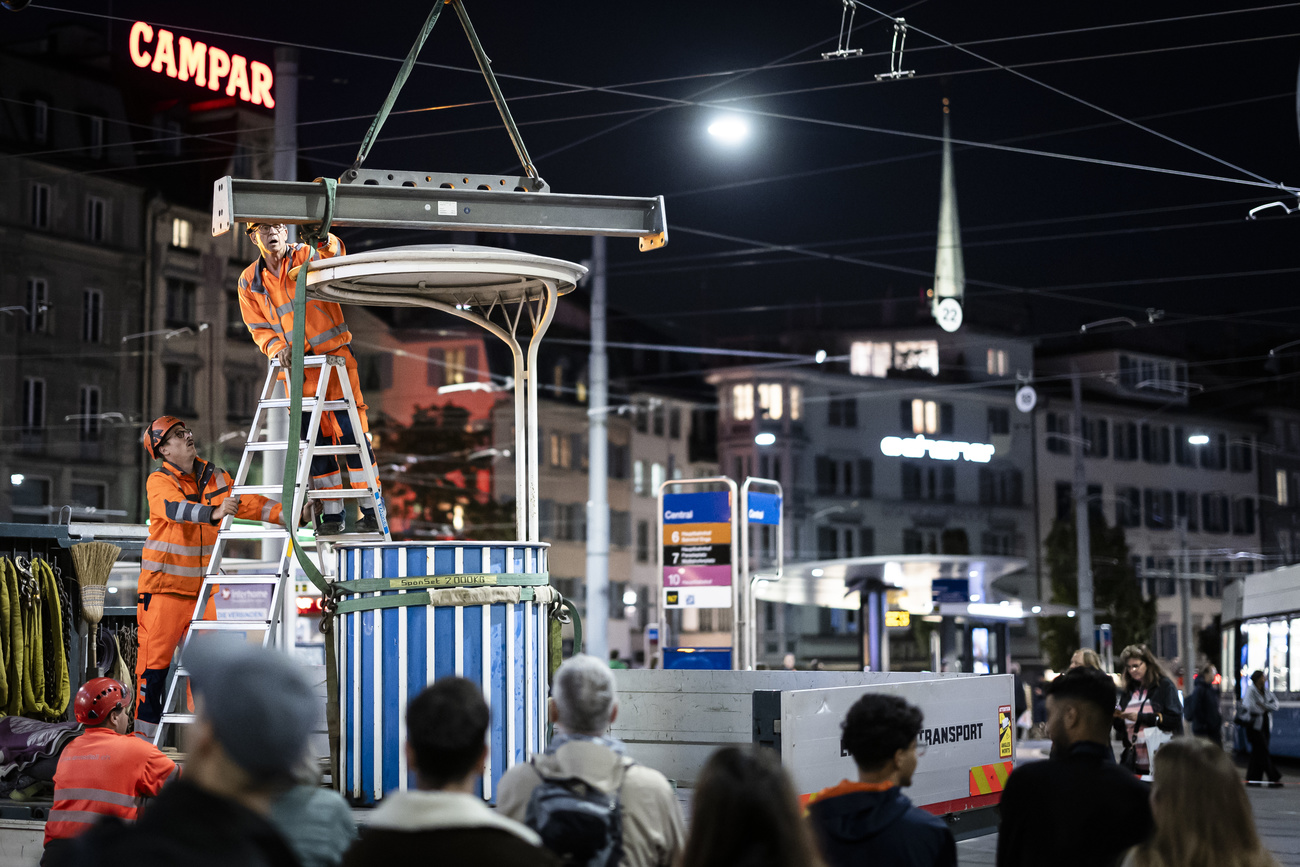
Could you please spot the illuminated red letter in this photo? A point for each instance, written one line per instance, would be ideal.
(262, 81)
(165, 54)
(238, 77)
(140, 32)
(193, 61)
(218, 66)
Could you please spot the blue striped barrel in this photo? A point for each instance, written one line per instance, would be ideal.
(388, 654)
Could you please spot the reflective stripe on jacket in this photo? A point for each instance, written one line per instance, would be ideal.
(102, 773)
(266, 302)
(181, 532)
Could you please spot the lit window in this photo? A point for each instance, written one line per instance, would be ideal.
(656, 476)
(997, 362)
(917, 355)
(638, 477)
(182, 232)
(867, 358)
(796, 402)
(769, 399)
(925, 416)
(1282, 491)
(742, 402)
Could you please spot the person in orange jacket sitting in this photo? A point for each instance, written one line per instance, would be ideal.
(266, 290)
(188, 498)
(104, 772)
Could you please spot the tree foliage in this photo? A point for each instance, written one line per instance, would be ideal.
(1117, 595)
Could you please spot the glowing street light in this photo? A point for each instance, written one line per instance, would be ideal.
(765, 439)
(730, 130)
(1199, 439)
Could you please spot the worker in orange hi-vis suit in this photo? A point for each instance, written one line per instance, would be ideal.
(104, 772)
(188, 497)
(266, 290)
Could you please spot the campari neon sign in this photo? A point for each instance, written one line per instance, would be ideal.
(206, 65)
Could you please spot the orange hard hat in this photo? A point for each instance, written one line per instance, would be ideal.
(97, 699)
(156, 432)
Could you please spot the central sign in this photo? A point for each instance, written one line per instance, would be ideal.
(697, 567)
(205, 65)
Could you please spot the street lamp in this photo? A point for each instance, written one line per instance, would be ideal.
(730, 129)
(1199, 440)
(765, 439)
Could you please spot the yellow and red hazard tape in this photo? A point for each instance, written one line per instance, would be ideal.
(987, 779)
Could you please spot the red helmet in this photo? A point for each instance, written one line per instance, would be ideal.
(97, 699)
(157, 432)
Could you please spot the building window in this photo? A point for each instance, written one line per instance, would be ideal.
(1283, 493)
(1214, 454)
(1241, 456)
(827, 473)
(1215, 513)
(1128, 507)
(638, 478)
(180, 302)
(38, 214)
(675, 423)
(31, 501)
(1126, 441)
(656, 476)
(1159, 509)
(96, 137)
(1001, 486)
(1186, 508)
(842, 412)
(92, 316)
(828, 539)
(33, 403)
(1058, 432)
(1184, 452)
(866, 477)
(796, 402)
(657, 419)
(618, 463)
(178, 395)
(998, 544)
(769, 399)
(1155, 444)
(1096, 433)
(917, 355)
(643, 541)
(926, 416)
(561, 450)
(620, 530)
(866, 542)
(38, 306)
(88, 425)
(1243, 516)
(927, 482)
(742, 402)
(999, 421)
(40, 120)
(997, 362)
(1064, 501)
(239, 398)
(182, 233)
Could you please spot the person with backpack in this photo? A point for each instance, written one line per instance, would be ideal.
(444, 821)
(590, 803)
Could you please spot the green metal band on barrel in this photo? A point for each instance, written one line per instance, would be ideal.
(401, 600)
(470, 579)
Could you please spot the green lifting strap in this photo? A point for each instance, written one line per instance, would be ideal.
(294, 386)
(373, 133)
(402, 600)
(477, 579)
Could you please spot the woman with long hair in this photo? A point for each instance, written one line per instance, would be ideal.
(1202, 815)
(745, 814)
(1085, 657)
(1149, 700)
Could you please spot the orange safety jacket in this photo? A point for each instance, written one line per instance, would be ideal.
(181, 531)
(102, 773)
(266, 302)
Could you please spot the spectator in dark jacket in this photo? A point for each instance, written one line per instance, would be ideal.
(1202, 710)
(445, 822)
(871, 821)
(1081, 809)
(1150, 699)
(254, 710)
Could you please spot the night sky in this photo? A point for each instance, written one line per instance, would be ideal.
(839, 172)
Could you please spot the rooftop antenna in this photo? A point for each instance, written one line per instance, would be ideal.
(842, 49)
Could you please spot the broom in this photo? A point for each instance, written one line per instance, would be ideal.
(93, 562)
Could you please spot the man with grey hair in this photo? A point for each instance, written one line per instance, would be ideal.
(583, 704)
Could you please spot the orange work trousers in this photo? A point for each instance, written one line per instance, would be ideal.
(162, 620)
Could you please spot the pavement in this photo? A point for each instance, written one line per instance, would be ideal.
(1277, 815)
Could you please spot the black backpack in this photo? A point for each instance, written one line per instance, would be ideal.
(580, 823)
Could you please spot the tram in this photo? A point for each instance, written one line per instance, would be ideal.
(1261, 632)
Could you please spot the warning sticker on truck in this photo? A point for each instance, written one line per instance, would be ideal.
(1004, 732)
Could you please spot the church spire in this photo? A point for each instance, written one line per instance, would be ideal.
(949, 269)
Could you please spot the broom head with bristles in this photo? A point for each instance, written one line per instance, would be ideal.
(93, 562)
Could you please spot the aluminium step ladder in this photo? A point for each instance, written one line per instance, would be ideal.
(265, 589)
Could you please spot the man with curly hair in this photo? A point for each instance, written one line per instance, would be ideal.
(871, 821)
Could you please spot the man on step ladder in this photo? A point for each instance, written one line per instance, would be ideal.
(266, 291)
(188, 497)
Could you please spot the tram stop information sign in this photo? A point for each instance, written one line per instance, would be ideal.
(698, 569)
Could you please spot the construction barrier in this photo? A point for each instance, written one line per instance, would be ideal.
(415, 612)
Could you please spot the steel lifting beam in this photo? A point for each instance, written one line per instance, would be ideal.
(426, 201)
